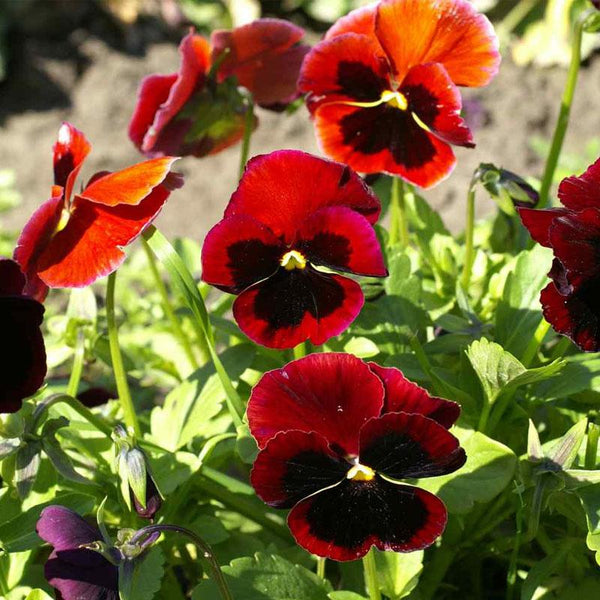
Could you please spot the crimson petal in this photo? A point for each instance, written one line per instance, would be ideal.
(294, 465)
(293, 306)
(330, 394)
(406, 446)
(402, 395)
(582, 192)
(539, 222)
(343, 522)
(70, 151)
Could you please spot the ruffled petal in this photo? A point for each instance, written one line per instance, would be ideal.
(65, 529)
(70, 151)
(343, 522)
(294, 465)
(578, 193)
(238, 252)
(539, 222)
(409, 446)
(451, 32)
(360, 20)
(330, 394)
(285, 187)
(402, 395)
(293, 306)
(341, 239)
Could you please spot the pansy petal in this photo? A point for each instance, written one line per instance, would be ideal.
(195, 62)
(23, 367)
(343, 522)
(383, 139)
(131, 185)
(346, 68)
(239, 252)
(70, 151)
(283, 188)
(154, 91)
(330, 394)
(360, 20)
(578, 193)
(293, 306)
(294, 465)
(402, 395)
(90, 245)
(64, 529)
(450, 32)
(405, 446)
(538, 222)
(576, 314)
(436, 101)
(341, 239)
(97, 580)
(12, 280)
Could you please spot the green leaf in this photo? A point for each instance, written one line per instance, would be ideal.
(140, 579)
(564, 450)
(489, 469)
(345, 595)
(518, 314)
(27, 464)
(398, 572)
(19, 534)
(245, 444)
(61, 462)
(542, 570)
(266, 577)
(38, 594)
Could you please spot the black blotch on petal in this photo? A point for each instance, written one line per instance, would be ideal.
(63, 168)
(328, 249)
(345, 176)
(359, 81)
(250, 261)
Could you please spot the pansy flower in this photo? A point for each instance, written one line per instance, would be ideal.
(77, 237)
(383, 83)
(74, 568)
(335, 436)
(23, 366)
(199, 110)
(293, 218)
(570, 301)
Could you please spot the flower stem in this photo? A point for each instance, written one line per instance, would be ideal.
(321, 567)
(248, 128)
(465, 280)
(206, 550)
(168, 308)
(398, 221)
(79, 408)
(564, 113)
(591, 448)
(511, 577)
(535, 342)
(371, 578)
(77, 367)
(117, 360)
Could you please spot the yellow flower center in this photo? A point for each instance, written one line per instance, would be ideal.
(395, 99)
(65, 215)
(293, 260)
(360, 473)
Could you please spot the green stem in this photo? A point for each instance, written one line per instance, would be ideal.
(591, 448)
(321, 567)
(168, 308)
(535, 342)
(77, 368)
(511, 577)
(564, 113)
(248, 128)
(371, 578)
(300, 351)
(513, 18)
(79, 408)
(398, 222)
(469, 238)
(117, 360)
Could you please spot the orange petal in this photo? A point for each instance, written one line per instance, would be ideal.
(131, 185)
(450, 32)
(361, 20)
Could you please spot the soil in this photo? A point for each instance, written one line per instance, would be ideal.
(92, 83)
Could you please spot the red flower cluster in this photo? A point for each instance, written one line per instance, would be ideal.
(199, 111)
(570, 301)
(382, 85)
(293, 212)
(23, 364)
(335, 434)
(73, 239)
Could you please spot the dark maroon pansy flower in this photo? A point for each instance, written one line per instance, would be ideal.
(570, 301)
(199, 111)
(335, 434)
(294, 212)
(73, 569)
(23, 367)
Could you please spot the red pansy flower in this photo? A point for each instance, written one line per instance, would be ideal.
(570, 301)
(74, 238)
(293, 212)
(199, 110)
(335, 434)
(382, 85)
(23, 365)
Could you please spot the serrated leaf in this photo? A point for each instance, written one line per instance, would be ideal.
(263, 577)
(488, 471)
(141, 578)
